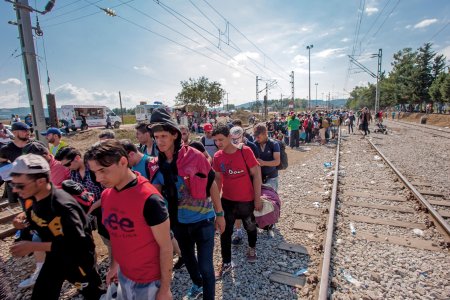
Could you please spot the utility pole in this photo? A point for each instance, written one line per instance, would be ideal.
(292, 86)
(377, 96)
(265, 101)
(227, 104)
(377, 76)
(257, 94)
(309, 75)
(316, 92)
(121, 109)
(30, 66)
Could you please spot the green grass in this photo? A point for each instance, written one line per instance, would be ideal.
(129, 119)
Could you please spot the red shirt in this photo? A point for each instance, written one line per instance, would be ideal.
(236, 182)
(133, 245)
(58, 173)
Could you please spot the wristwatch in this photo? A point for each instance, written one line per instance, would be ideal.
(220, 213)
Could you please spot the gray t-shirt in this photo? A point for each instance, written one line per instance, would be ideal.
(210, 146)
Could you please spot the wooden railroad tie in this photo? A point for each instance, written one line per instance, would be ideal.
(376, 196)
(382, 207)
(365, 219)
(397, 240)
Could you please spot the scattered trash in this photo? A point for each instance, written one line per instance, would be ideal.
(339, 241)
(310, 236)
(424, 274)
(372, 182)
(316, 204)
(303, 165)
(307, 149)
(330, 174)
(301, 272)
(267, 273)
(418, 232)
(376, 157)
(350, 278)
(327, 164)
(352, 229)
(348, 151)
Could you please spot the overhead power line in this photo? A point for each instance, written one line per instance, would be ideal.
(439, 31)
(262, 52)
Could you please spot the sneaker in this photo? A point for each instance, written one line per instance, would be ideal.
(271, 233)
(251, 255)
(29, 282)
(195, 291)
(224, 269)
(179, 264)
(237, 240)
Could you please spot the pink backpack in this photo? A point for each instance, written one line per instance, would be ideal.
(272, 217)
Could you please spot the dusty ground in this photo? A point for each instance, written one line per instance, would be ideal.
(433, 119)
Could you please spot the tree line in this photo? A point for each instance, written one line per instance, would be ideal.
(417, 78)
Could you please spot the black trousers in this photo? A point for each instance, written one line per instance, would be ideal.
(53, 273)
(294, 140)
(237, 210)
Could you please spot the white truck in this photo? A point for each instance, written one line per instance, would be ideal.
(144, 111)
(95, 116)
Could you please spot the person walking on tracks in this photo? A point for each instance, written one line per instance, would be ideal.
(366, 117)
(63, 228)
(186, 180)
(135, 215)
(236, 168)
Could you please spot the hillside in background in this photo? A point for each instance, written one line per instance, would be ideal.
(333, 103)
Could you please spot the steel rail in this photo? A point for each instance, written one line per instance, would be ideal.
(416, 193)
(423, 129)
(325, 274)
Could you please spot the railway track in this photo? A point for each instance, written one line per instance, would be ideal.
(439, 132)
(7, 214)
(377, 209)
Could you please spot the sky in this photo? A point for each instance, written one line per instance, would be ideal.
(149, 47)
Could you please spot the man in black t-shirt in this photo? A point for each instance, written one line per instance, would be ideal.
(62, 226)
(13, 149)
(194, 144)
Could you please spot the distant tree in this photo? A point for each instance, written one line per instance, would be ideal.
(200, 93)
(445, 88)
(435, 89)
(438, 65)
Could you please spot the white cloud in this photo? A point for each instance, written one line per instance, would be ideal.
(236, 74)
(300, 59)
(290, 50)
(425, 23)
(304, 71)
(304, 29)
(331, 52)
(13, 81)
(244, 56)
(371, 10)
(344, 40)
(143, 70)
(445, 51)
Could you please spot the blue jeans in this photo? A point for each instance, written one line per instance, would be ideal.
(130, 290)
(273, 183)
(200, 268)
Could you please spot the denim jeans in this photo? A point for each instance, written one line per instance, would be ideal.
(273, 183)
(237, 210)
(130, 290)
(200, 268)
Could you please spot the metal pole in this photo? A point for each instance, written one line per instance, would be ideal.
(30, 66)
(309, 75)
(227, 104)
(121, 109)
(377, 96)
(257, 94)
(265, 101)
(316, 93)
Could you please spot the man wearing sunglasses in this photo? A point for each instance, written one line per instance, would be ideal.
(62, 226)
(13, 149)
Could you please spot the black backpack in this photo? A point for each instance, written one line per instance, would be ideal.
(283, 155)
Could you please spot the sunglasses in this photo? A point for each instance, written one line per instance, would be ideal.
(19, 186)
(67, 164)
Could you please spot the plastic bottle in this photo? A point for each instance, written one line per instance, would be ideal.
(350, 279)
(352, 229)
